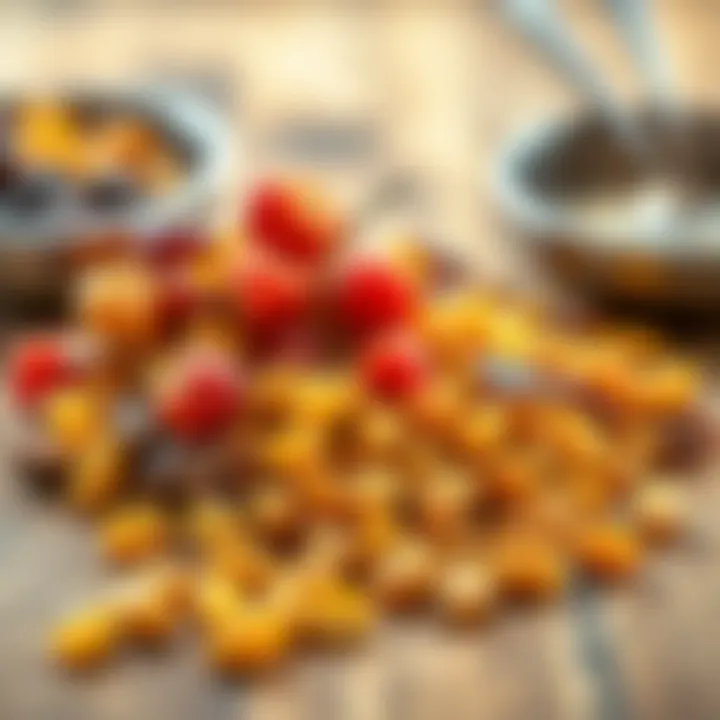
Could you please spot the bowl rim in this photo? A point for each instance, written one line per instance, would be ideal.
(174, 109)
(540, 220)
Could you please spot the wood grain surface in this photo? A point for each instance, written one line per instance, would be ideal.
(440, 84)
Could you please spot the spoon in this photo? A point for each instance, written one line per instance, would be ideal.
(664, 194)
(538, 21)
(679, 157)
(634, 23)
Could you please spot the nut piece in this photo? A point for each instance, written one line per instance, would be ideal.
(86, 639)
(467, 592)
(133, 534)
(661, 510)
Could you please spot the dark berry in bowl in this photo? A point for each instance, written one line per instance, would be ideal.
(111, 192)
(35, 193)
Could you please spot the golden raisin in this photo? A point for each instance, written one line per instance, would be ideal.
(250, 640)
(405, 576)
(87, 638)
(609, 551)
(661, 510)
(73, 418)
(466, 592)
(134, 533)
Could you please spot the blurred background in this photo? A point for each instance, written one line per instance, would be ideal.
(434, 84)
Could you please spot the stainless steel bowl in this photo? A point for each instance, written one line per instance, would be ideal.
(545, 169)
(38, 255)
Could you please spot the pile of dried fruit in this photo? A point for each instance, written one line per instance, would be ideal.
(287, 436)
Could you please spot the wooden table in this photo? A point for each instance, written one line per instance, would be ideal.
(444, 84)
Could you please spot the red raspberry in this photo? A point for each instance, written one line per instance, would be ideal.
(202, 396)
(38, 366)
(372, 296)
(293, 220)
(394, 366)
(270, 295)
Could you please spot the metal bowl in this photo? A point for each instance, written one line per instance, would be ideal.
(38, 255)
(545, 170)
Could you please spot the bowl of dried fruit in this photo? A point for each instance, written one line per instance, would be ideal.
(287, 437)
(81, 172)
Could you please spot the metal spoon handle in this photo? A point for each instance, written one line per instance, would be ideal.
(635, 25)
(539, 23)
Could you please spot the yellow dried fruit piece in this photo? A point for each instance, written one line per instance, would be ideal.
(669, 388)
(445, 503)
(216, 598)
(145, 617)
(405, 576)
(73, 418)
(609, 551)
(467, 592)
(211, 524)
(150, 604)
(484, 430)
(96, 476)
(437, 407)
(331, 612)
(369, 540)
(275, 512)
(381, 433)
(246, 565)
(373, 489)
(661, 510)
(253, 639)
(450, 327)
(118, 302)
(87, 638)
(46, 137)
(529, 568)
(324, 398)
(134, 533)
(294, 453)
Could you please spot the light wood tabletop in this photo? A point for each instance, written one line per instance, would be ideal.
(441, 84)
